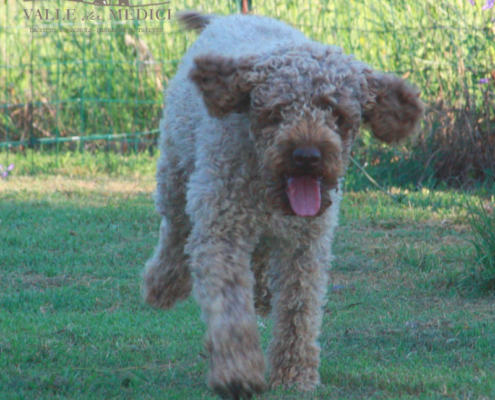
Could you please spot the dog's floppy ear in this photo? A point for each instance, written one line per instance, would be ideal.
(393, 109)
(223, 82)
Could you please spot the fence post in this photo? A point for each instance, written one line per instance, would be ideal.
(244, 6)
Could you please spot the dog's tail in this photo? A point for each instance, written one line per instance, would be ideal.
(194, 20)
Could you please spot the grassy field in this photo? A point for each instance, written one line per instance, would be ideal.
(402, 320)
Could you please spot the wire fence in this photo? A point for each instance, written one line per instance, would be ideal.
(93, 77)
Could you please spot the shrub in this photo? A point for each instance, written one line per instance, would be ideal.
(482, 222)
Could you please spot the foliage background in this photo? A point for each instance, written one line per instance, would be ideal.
(95, 87)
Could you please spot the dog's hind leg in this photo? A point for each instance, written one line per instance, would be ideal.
(167, 277)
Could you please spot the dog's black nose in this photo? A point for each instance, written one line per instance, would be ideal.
(306, 156)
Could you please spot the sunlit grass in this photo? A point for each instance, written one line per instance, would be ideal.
(397, 323)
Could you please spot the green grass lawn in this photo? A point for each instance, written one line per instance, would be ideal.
(401, 320)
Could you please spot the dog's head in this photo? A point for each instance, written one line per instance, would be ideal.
(306, 105)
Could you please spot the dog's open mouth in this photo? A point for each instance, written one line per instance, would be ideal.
(304, 194)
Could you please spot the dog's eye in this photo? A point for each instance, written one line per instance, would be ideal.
(273, 116)
(269, 117)
(275, 120)
(343, 121)
(322, 102)
(340, 117)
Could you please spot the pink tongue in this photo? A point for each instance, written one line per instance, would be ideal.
(304, 195)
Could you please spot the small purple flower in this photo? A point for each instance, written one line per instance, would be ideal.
(472, 2)
(5, 172)
(489, 4)
(483, 81)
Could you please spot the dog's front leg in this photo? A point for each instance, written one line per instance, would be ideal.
(223, 285)
(298, 285)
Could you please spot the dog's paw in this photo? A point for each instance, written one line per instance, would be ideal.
(162, 288)
(303, 380)
(238, 390)
(238, 379)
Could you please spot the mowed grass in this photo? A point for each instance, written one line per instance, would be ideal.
(398, 323)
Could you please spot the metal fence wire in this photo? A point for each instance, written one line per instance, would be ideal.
(88, 79)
